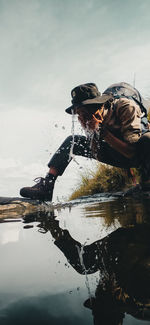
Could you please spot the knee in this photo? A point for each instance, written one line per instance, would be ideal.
(77, 139)
(69, 139)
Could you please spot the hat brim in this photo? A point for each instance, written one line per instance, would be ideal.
(93, 101)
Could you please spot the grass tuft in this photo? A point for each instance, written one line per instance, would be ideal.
(104, 179)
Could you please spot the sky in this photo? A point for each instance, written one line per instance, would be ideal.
(47, 48)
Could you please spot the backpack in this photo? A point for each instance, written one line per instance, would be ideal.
(123, 89)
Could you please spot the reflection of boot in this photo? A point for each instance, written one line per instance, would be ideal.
(42, 191)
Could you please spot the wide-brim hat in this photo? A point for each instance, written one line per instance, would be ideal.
(87, 94)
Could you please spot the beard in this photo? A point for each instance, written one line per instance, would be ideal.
(90, 128)
(89, 125)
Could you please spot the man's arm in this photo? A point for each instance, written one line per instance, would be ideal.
(124, 148)
(84, 259)
(129, 116)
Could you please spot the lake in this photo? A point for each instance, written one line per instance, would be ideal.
(85, 263)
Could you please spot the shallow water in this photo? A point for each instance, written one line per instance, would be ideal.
(58, 267)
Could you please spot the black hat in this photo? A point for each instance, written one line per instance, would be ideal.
(86, 94)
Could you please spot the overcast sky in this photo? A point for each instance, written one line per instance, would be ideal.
(49, 46)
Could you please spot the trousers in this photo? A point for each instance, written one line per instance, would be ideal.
(105, 153)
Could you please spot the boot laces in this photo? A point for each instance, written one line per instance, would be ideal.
(42, 182)
(39, 181)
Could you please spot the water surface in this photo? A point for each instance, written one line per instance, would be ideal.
(85, 264)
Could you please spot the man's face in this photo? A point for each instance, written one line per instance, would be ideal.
(86, 118)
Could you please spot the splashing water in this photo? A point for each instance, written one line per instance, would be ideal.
(80, 253)
(88, 132)
(71, 154)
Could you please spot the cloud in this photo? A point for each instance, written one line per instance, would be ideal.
(49, 47)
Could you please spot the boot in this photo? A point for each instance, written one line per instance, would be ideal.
(42, 191)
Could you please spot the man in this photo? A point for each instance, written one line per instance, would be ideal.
(115, 134)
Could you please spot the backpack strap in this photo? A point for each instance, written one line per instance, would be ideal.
(143, 109)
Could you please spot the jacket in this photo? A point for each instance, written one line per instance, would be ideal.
(123, 119)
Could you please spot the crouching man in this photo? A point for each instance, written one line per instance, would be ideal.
(117, 133)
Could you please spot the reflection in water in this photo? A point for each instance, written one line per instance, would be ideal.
(123, 259)
(127, 211)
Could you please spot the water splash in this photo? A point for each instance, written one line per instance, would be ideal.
(89, 133)
(71, 154)
(81, 253)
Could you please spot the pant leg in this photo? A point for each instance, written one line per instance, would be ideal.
(105, 154)
(143, 154)
(61, 158)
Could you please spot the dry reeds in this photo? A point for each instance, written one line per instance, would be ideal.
(104, 179)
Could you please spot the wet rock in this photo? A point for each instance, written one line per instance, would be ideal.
(14, 207)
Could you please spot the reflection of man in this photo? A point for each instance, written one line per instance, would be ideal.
(123, 259)
(117, 134)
